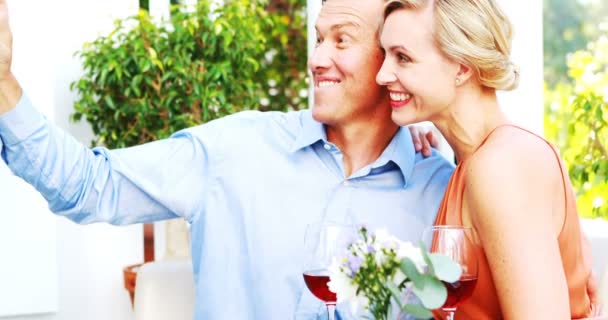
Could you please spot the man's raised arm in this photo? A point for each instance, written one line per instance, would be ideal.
(10, 91)
(159, 180)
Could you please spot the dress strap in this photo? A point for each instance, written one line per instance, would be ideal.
(563, 170)
(528, 131)
(493, 130)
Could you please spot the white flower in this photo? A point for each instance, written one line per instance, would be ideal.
(598, 202)
(346, 291)
(407, 249)
(340, 283)
(383, 241)
(360, 248)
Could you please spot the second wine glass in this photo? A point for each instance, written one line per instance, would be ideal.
(456, 242)
(323, 242)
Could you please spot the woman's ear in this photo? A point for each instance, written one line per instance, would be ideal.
(464, 73)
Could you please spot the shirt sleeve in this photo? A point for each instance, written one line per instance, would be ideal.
(154, 181)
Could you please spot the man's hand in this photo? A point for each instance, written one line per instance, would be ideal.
(6, 42)
(10, 91)
(423, 140)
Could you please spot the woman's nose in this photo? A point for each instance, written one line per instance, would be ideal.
(385, 75)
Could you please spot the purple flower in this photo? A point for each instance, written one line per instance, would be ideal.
(391, 245)
(354, 262)
(370, 248)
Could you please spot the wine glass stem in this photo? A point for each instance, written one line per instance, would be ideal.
(331, 311)
(450, 312)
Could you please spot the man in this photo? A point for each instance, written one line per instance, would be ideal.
(249, 183)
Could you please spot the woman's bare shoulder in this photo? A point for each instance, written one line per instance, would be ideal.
(513, 170)
(513, 150)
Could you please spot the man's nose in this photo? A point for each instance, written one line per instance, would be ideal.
(320, 59)
(385, 75)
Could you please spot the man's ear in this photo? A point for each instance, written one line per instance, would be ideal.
(464, 73)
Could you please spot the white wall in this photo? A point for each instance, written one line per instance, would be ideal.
(525, 104)
(88, 260)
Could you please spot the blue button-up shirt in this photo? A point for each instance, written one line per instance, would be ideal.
(248, 184)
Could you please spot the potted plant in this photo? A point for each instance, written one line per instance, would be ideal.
(147, 79)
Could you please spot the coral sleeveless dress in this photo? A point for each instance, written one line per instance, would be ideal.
(574, 248)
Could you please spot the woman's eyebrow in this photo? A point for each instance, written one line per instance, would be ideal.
(400, 48)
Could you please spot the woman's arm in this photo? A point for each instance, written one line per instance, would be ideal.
(515, 200)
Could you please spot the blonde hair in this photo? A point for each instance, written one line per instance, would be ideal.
(475, 33)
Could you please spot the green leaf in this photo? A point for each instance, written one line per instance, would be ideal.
(253, 62)
(409, 269)
(417, 311)
(587, 106)
(218, 29)
(427, 258)
(445, 268)
(109, 102)
(433, 294)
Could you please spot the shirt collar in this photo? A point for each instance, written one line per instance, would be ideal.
(311, 132)
(400, 150)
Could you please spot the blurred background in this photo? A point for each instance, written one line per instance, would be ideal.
(123, 72)
(575, 42)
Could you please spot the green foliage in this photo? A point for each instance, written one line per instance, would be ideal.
(576, 94)
(428, 286)
(577, 121)
(567, 26)
(283, 76)
(563, 32)
(372, 279)
(147, 79)
(144, 4)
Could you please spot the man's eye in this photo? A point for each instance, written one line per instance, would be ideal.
(343, 39)
(318, 42)
(403, 58)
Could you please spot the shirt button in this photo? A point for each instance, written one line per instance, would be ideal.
(327, 146)
(346, 183)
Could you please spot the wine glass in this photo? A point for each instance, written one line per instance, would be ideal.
(323, 242)
(457, 243)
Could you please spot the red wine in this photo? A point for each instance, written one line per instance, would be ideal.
(459, 291)
(316, 281)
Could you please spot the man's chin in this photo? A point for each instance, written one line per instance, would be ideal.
(321, 114)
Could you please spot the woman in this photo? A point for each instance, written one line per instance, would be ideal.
(444, 62)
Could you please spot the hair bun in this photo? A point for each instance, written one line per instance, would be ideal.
(510, 79)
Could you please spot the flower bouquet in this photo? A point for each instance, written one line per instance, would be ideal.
(378, 270)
